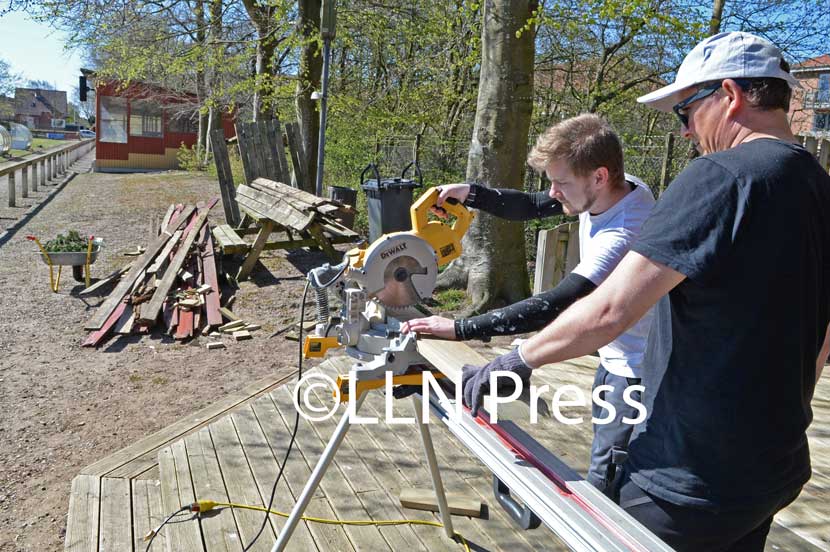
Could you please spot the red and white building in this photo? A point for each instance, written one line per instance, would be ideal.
(140, 127)
(810, 106)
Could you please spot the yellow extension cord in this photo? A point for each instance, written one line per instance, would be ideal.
(207, 505)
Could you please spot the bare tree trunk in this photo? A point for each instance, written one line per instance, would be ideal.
(266, 45)
(311, 70)
(717, 15)
(201, 84)
(493, 266)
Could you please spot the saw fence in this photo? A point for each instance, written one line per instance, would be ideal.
(279, 215)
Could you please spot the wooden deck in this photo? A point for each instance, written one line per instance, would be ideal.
(230, 453)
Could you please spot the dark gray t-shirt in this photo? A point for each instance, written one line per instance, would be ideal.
(730, 363)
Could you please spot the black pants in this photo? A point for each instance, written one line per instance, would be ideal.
(693, 529)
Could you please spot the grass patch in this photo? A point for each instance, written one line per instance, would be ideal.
(159, 380)
(450, 299)
(135, 378)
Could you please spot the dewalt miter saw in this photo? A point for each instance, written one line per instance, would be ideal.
(378, 286)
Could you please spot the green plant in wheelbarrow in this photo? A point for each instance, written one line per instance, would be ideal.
(70, 250)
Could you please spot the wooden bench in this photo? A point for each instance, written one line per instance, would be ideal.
(282, 217)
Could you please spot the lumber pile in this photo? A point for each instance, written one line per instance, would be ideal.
(172, 284)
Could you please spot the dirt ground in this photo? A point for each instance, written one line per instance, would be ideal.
(63, 407)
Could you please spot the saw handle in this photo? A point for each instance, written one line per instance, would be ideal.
(420, 213)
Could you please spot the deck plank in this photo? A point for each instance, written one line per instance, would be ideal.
(265, 468)
(219, 531)
(310, 447)
(297, 472)
(82, 524)
(147, 515)
(142, 455)
(184, 533)
(240, 484)
(116, 513)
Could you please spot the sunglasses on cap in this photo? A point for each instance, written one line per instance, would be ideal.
(680, 108)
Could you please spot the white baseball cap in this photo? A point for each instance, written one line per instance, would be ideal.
(722, 56)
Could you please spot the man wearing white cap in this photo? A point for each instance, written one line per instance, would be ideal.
(742, 321)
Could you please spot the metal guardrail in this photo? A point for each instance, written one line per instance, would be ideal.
(46, 166)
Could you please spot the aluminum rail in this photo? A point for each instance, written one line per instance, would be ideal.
(580, 515)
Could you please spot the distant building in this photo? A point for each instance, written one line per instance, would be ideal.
(40, 109)
(6, 108)
(141, 127)
(810, 106)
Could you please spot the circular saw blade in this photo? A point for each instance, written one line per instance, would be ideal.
(398, 290)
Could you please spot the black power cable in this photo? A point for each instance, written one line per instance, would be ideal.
(163, 523)
(296, 423)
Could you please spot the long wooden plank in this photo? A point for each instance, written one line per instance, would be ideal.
(116, 514)
(141, 455)
(266, 155)
(309, 445)
(98, 336)
(105, 280)
(106, 308)
(277, 143)
(175, 493)
(163, 257)
(225, 176)
(219, 531)
(298, 157)
(246, 152)
(150, 311)
(297, 472)
(212, 306)
(264, 468)
(83, 520)
(240, 484)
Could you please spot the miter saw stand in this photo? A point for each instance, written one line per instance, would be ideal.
(378, 287)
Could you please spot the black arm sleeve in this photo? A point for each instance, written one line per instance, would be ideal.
(513, 204)
(534, 313)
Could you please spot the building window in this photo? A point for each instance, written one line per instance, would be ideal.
(182, 122)
(145, 118)
(113, 124)
(824, 88)
(821, 122)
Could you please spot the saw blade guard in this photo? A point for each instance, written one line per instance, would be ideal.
(445, 239)
(403, 262)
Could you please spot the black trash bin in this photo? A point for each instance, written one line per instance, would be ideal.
(388, 200)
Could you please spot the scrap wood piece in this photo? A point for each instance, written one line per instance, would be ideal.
(231, 326)
(164, 256)
(124, 324)
(99, 335)
(103, 312)
(215, 345)
(228, 313)
(106, 280)
(150, 312)
(242, 335)
(184, 329)
(459, 504)
(165, 220)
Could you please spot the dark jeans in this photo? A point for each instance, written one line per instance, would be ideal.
(693, 529)
(610, 446)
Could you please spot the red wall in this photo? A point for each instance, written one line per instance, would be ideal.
(144, 144)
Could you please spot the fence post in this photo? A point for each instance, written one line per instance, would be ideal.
(12, 202)
(43, 172)
(665, 171)
(34, 177)
(24, 182)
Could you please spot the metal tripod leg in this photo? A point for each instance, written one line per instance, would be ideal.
(314, 480)
(437, 484)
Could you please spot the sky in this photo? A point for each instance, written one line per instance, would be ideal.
(37, 52)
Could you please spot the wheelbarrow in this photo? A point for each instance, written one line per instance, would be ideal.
(78, 260)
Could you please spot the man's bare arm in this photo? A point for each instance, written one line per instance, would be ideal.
(822, 355)
(634, 287)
